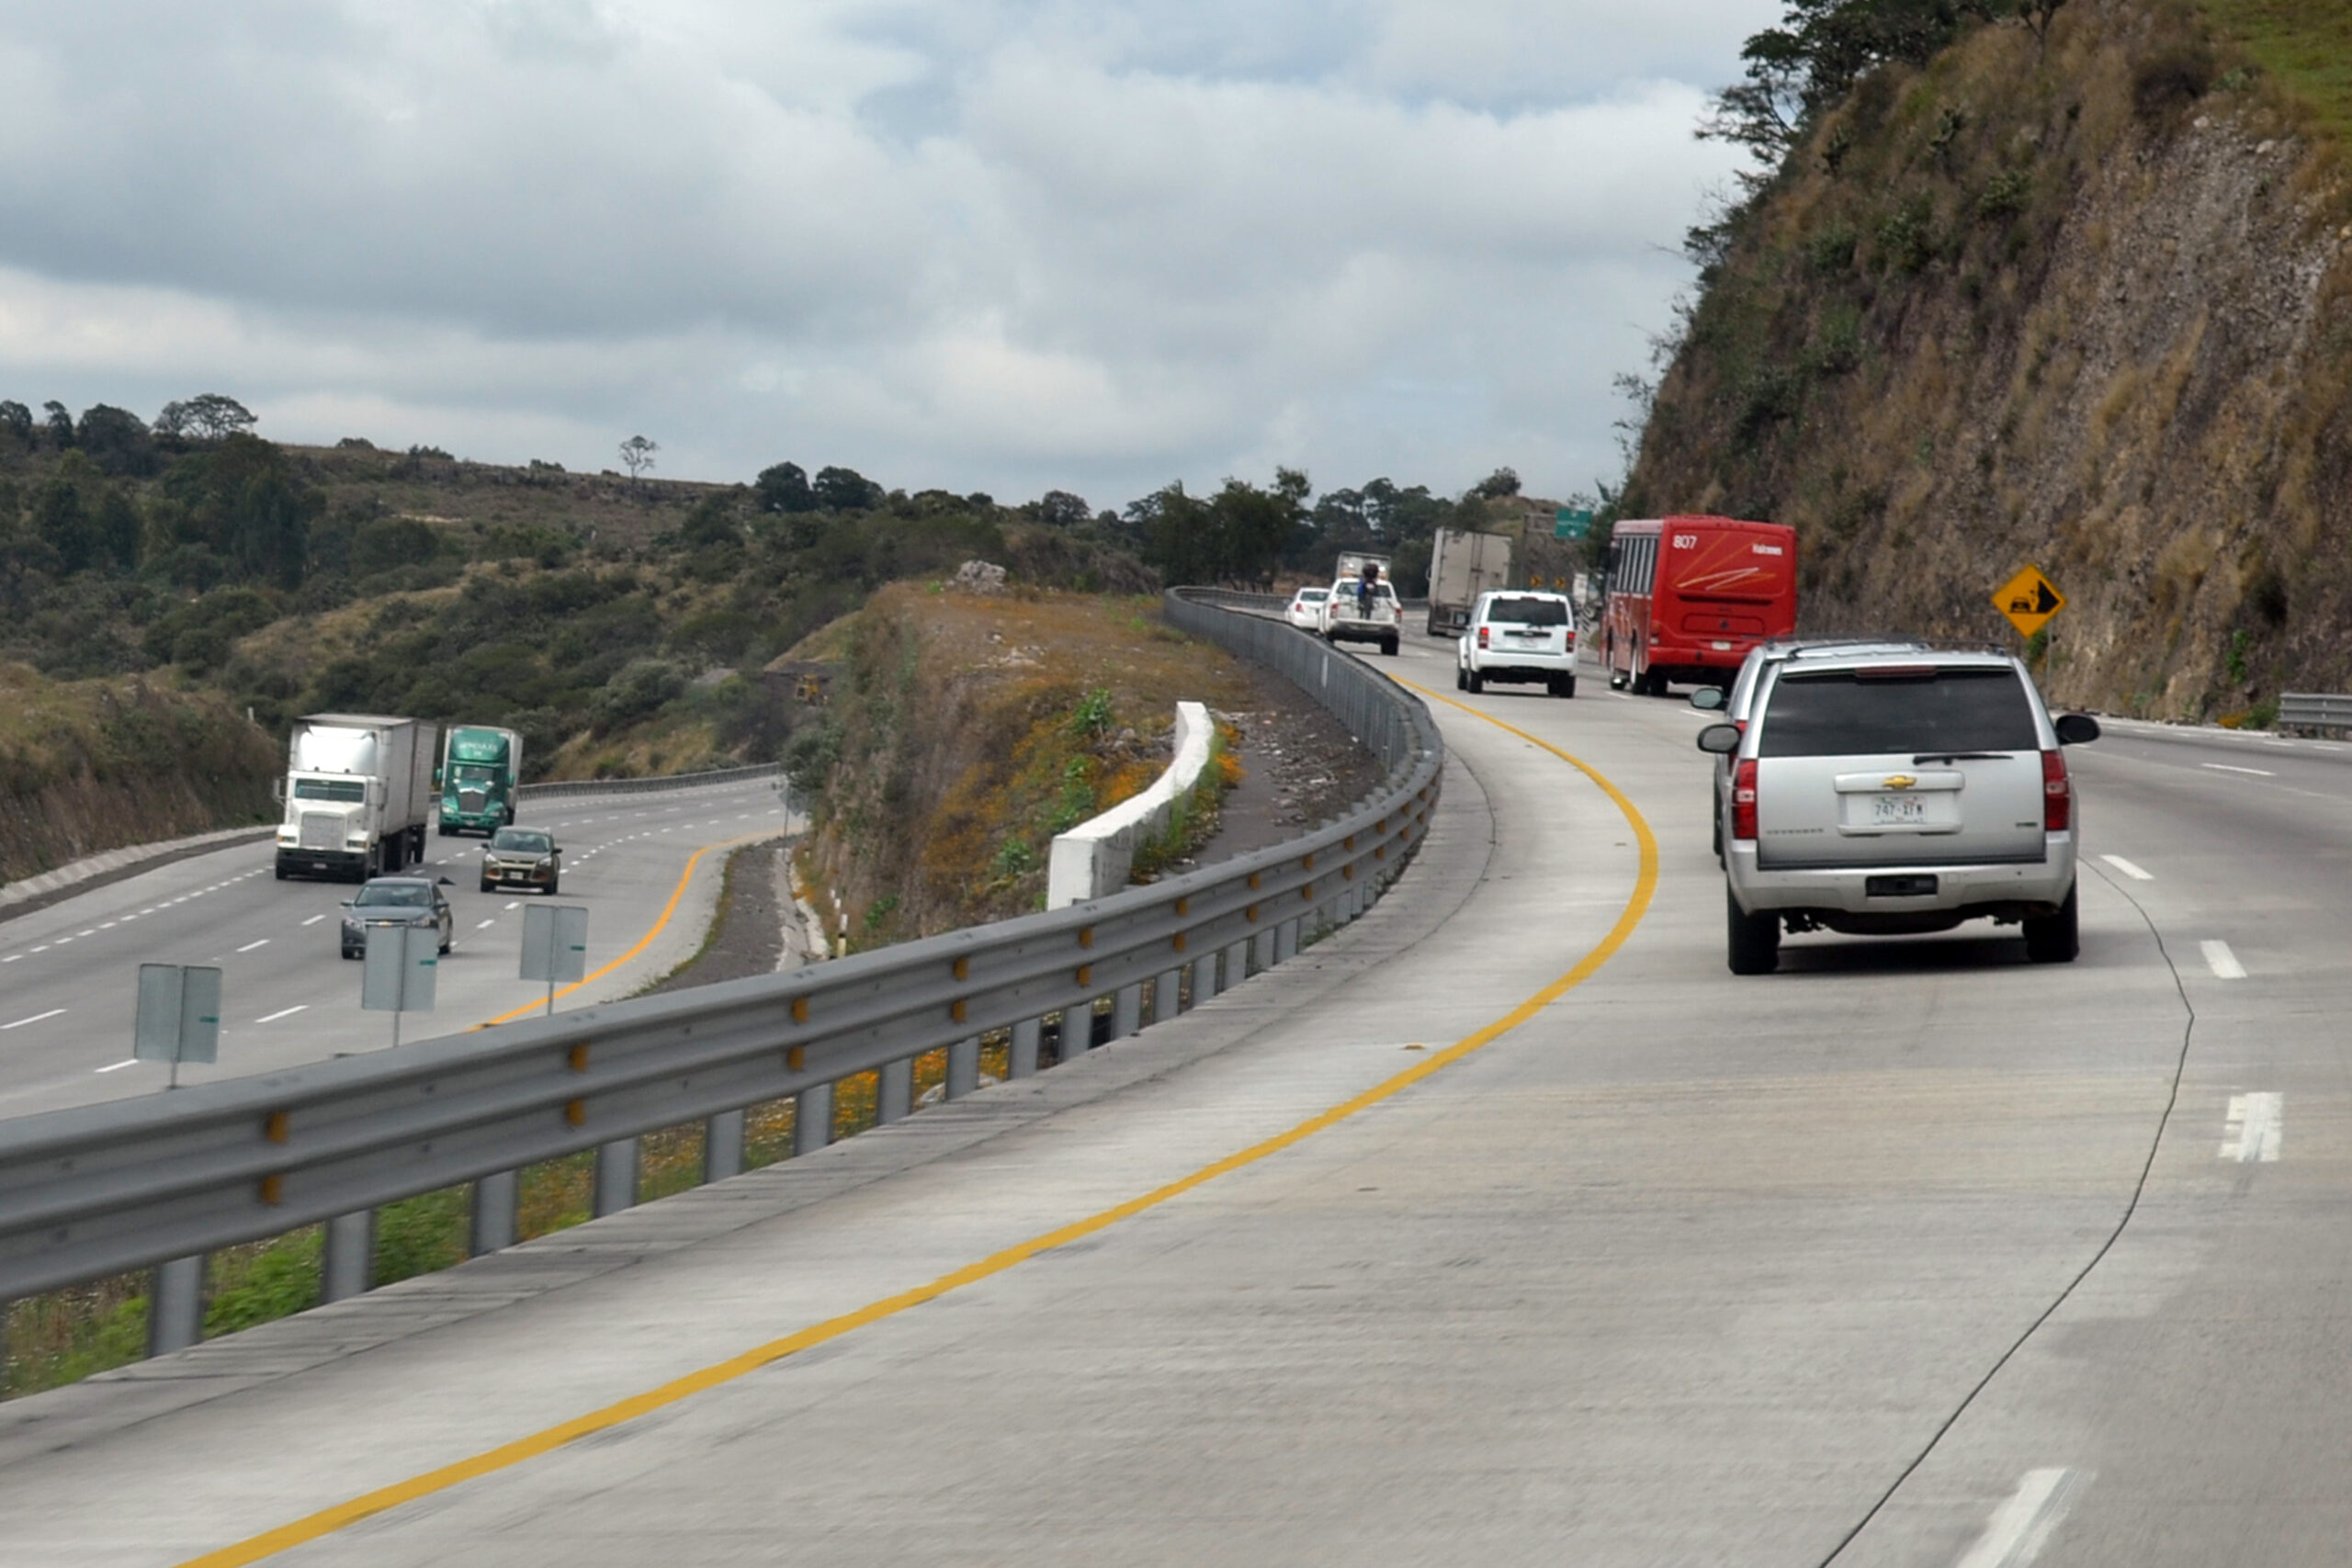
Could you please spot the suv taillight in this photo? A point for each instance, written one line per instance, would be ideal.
(1482, 637)
(2057, 794)
(1743, 800)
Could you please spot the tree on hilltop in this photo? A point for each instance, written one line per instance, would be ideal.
(208, 416)
(637, 455)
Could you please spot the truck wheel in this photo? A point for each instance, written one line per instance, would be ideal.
(1461, 683)
(282, 872)
(1475, 681)
(553, 885)
(445, 829)
(1388, 647)
(1563, 685)
(2054, 939)
(1754, 945)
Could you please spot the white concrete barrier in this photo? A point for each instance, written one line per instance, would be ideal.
(1096, 857)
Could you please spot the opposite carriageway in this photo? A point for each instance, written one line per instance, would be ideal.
(158, 1182)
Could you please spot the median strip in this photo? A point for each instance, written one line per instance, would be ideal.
(327, 1521)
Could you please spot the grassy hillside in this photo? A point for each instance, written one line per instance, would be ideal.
(968, 729)
(2080, 297)
(86, 765)
(2306, 44)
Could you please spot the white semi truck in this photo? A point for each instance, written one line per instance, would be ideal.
(358, 793)
(1463, 565)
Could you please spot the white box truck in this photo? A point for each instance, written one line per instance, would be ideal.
(1363, 606)
(358, 791)
(1463, 565)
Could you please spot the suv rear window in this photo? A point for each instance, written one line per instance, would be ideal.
(1530, 612)
(1845, 713)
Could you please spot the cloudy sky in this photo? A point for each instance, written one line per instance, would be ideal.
(982, 245)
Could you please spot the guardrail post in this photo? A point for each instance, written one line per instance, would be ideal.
(1286, 942)
(1023, 1062)
(1204, 979)
(1169, 997)
(1236, 963)
(894, 1091)
(348, 1267)
(616, 1177)
(175, 1305)
(722, 1146)
(1126, 1011)
(963, 1068)
(1262, 950)
(494, 1227)
(1076, 1035)
(812, 1117)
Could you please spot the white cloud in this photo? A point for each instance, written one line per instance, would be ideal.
(1002, 245)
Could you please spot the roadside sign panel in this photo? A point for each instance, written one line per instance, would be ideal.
(555, 943)
(179, 1014)
(402, 963)
(1571, 522)
(2028, 600)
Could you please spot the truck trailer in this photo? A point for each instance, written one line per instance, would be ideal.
(1462, 565)
(358, 791)
(481, 767)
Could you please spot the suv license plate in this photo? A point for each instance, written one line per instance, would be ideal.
(1895, 810)
(1899, 887)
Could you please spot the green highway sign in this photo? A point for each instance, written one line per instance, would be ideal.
(1570, 523)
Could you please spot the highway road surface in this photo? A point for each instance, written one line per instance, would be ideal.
(1506, 1226)
(69, 972)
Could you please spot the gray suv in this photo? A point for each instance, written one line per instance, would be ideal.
(1896, 791)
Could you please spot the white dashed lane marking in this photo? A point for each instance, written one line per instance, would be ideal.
(35, 1019)
(314, 919)
(117, 1066)
(285, 1013)
(486, 924)
(2225, 768)
(2257, 1128)
(2128, 869)
(251, 945)
(2221, 961)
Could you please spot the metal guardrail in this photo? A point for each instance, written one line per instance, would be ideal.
(160, 1181)
(647, 786)
(2314, 710)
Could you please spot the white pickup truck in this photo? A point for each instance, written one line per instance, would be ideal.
(1362, 612)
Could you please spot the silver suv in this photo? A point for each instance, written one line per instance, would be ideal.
(1735, 701)
(1887, 793)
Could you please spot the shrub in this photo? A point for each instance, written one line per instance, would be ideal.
(2006, 194)
(1906, 236)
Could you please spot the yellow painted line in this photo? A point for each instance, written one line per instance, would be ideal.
(326, 1521)
(685, 878)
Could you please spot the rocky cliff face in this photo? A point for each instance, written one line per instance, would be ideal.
(2083, 302)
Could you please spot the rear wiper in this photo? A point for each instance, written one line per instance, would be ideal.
(1924, 758)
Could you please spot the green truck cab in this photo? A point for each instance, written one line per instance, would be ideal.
(480, 770)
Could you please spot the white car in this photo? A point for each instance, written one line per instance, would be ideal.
(1304, 610)
(1524, 637)
(1884, 794)
(1360, 611)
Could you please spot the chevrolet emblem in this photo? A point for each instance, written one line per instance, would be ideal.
(1898, 781)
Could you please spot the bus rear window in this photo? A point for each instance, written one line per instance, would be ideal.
(1835, 714)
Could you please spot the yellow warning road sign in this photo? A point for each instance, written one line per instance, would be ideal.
(2029, 600)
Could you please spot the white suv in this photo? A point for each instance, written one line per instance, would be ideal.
(1883, 793)
(1521, 637)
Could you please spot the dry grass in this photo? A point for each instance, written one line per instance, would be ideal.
(974, 728)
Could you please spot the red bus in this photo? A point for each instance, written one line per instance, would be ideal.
(1688, 596)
